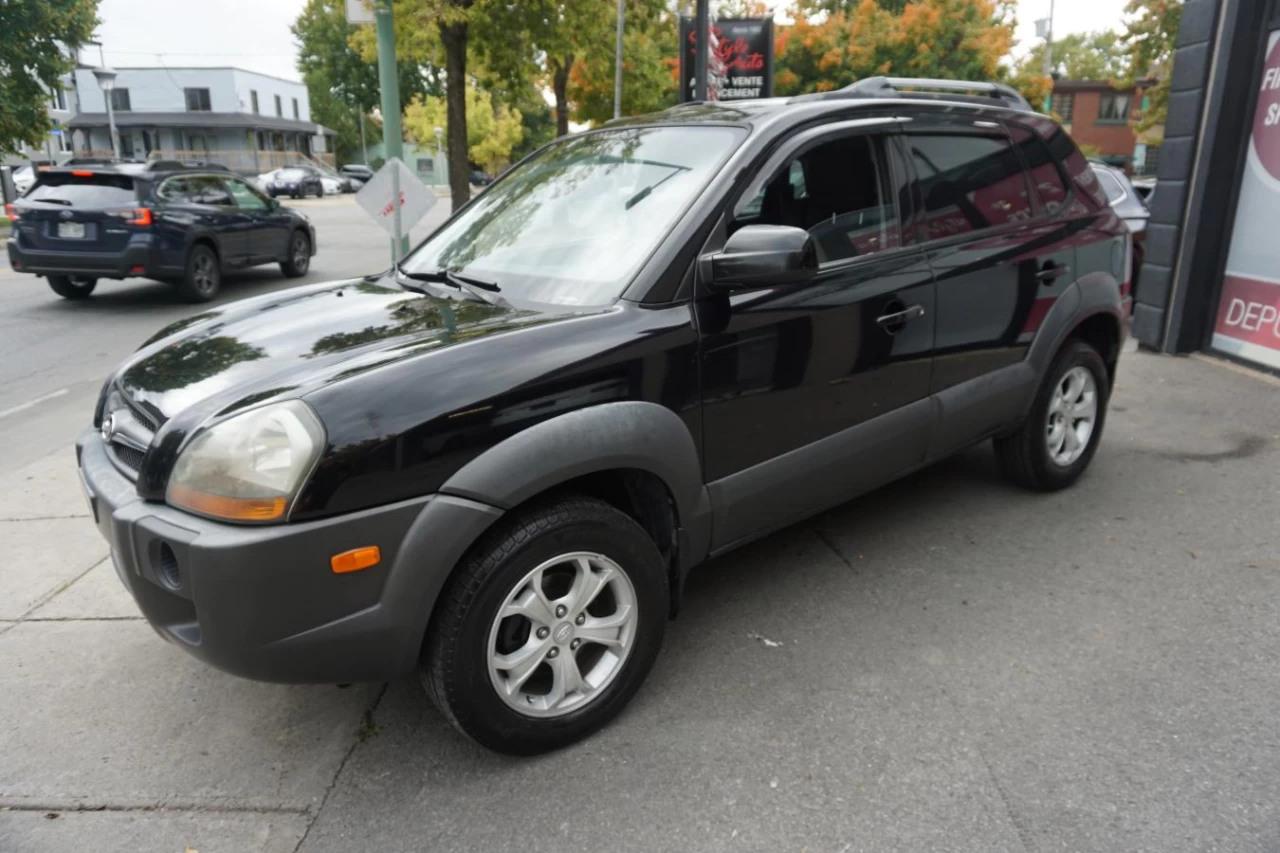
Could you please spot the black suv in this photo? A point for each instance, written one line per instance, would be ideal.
(642, 347)
(163, 221)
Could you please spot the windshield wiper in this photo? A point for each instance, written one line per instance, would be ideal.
(61, 201)
(477, 287)
(647, 191)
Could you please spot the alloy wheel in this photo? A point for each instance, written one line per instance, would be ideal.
(562, 634)
(205, 276)
(1073, 413)
(301, 253)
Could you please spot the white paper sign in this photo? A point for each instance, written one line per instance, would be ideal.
(360, 12)
(378, 197)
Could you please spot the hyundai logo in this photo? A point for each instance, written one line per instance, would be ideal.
(66, 214)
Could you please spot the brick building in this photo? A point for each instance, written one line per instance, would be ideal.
(1100, 119)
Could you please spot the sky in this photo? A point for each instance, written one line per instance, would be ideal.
(254, 34)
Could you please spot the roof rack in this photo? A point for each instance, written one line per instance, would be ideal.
(179, 165)
(969, 91)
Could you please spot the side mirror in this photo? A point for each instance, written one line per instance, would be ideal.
(761, 256)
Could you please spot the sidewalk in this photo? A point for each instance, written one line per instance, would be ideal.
(962, 666)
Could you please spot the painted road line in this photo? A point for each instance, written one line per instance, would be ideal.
(22, 407)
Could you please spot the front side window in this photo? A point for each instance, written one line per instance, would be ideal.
(245, 197)
(969, 182)
(198, 100)
(836, 192)
(573, 225)
(1113, 108)
(120, 100)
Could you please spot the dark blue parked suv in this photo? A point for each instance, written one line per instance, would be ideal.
(166, 221)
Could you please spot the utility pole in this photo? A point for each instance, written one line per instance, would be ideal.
(702, 41)
(389, 82)
(364, 146)
(617, 63)
(1048, 43)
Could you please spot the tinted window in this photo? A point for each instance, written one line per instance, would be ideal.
(244, 196)
(1110, 186)
(197, 100)
(175, 189)
(292, 175)
(83, 191)
(1046, 177)
(207, 189)
(836, 192)
(968, 182)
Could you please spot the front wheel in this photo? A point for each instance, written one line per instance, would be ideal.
(1051, 450)
(548, 627)
(72, 286)
(299, 259)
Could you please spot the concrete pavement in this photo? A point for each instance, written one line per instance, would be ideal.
(952, 664)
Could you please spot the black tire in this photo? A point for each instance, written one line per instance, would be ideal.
(298, 258)
(455, 663)
(1024, 455)
(72, 286)
(203, 278)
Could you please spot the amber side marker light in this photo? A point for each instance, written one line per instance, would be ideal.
(355, 559)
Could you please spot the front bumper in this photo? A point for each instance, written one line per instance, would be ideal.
(263, 602)
(134, 260)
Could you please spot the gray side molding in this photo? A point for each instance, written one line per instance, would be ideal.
(1096, 293)
(627, 434)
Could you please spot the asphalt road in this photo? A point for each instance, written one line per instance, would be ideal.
(57, 352)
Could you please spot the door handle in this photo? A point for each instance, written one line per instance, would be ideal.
(893, 323)
(1052, 271)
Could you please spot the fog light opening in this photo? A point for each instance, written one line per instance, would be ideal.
(167, 567)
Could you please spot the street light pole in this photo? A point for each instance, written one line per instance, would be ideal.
(107, 82)
(617, 64)
(389, 82)
(702, 42)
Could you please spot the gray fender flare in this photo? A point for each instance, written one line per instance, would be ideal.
(617, 435)
(1096, 293)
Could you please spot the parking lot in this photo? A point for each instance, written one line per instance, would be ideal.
(947, 664)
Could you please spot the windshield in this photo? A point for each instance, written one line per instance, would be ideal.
(572, 225)
(90, 190)
(290, 175)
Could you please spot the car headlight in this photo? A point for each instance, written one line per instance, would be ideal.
(249, 467)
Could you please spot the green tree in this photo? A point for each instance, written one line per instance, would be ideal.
(650, 51)
(537, 121)
(38, 42)
(1151, 35)
(341, 82)
(1083, 56)
(493, 130)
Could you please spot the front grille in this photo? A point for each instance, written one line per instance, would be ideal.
(127, 430)
(127, 456)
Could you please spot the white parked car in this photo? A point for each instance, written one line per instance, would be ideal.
(23, 178)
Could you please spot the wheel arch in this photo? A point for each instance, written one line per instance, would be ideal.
(1091, 310)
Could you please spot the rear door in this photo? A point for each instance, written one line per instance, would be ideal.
(233, 227)
(817, 392)
(1000, 256)
(82, 211)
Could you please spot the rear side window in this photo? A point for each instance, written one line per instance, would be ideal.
(968, 182)
(89, 191)
(206, 189)
(175, 189)
(1046, 177)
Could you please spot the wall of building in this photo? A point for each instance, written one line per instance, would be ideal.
(1115, 139)
(246, 82)
(163, 90)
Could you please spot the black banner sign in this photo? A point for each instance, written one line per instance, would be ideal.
(741, 67)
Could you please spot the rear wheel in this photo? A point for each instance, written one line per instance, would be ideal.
(548, 628)
(1051, 450)
(72, 286)
(299, 259)
(203, 278)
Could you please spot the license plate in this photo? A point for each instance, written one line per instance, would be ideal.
(71, 230)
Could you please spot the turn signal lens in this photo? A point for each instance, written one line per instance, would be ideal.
(82, 173)
(11, 212)
(355, 559)
(141, 216)
(234, 509)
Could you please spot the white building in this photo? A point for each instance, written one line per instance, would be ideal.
(245, 120)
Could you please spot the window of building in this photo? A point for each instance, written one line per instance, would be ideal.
(425, 164)
(279, 107)
(262, 141)
(58, 99)
(1113, 108)
(253, 100)
(968, 183)
(1151, 160)
(120, 100)
(63, 138)
(836, 192)
(295, 108)
(1064, 104)
(197, 100)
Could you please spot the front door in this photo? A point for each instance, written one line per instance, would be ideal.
(815, 393)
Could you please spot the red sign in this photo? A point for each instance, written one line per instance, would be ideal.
(1250, 311)
(1266, 121)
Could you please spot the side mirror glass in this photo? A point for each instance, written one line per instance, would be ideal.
(761, 256)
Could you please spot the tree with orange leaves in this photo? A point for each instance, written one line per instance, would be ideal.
(951, 39)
